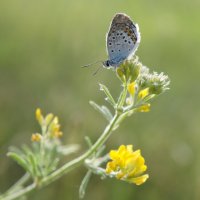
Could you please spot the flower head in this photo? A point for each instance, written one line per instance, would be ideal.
(50, 123)
(54, 128)
(157, 83)
(36, 137)
(127, 165)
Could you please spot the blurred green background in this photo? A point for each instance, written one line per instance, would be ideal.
(42, 46)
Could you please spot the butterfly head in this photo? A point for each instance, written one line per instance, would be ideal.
(106, 63)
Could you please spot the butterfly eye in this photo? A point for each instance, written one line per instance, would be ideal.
(107, 63)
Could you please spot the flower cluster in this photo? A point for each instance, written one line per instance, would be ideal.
(127, 165)
(49, 124)
(141, 84)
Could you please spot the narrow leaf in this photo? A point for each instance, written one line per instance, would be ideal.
(68, 149)
(122, 98)
(88, 141)
(33, 164)
(102, 109)
(84, 184)
(107, 112)
(107, 93)
(22, 162)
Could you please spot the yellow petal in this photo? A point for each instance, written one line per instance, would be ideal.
(38, 115)
(131, 88)
(143, 93)
(144, 108)
(36, 137)
(139, 180)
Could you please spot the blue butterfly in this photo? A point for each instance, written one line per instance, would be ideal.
(122, 40)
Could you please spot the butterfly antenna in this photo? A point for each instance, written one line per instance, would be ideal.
(100, 67)
(88, 65)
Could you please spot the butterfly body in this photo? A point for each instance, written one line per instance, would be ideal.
(122, 40)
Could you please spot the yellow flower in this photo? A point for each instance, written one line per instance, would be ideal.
(143, 93)
(127, 165)
(36, 137)
(54, 128)
(58, 134)
(144, 108)
(38, 115)
(131, 88)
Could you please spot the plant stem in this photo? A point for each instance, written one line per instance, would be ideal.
(78, 161)
(19, 193)
(19, 183)
(68, 166)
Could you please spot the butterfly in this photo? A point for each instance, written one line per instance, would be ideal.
(122, 40)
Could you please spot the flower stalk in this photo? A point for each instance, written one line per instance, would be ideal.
(41, 161)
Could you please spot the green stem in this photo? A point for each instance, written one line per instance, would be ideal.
(78, 161)
(68, 166)
(19, 193)
(18, 184)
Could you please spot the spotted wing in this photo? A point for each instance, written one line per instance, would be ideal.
(123, 38)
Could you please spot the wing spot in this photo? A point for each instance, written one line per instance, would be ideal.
(125, 40)
(113, 38)
(110, 43)
(112, 50)
(119, 49)
(129, 42)
(123, 37)
(121, 33)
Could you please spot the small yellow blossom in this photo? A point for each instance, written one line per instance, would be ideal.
(58, 134)
(127, 165)
(54, 128)
(38, 115)
(143, 93)
(131, 88)
(144, 108)
(48, 118)
(36, 137)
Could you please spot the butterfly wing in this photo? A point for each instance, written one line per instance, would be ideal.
(123, 38)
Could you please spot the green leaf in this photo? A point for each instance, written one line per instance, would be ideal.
(26, 149)
(103, 110)
(107, 93)
(68, 149)
(33, 164)
(88, 141)
(84, 184)
(18, 158)
(122, 97)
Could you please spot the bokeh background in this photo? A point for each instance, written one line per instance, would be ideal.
(42, 46)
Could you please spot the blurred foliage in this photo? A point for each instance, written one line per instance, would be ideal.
(42, 46)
